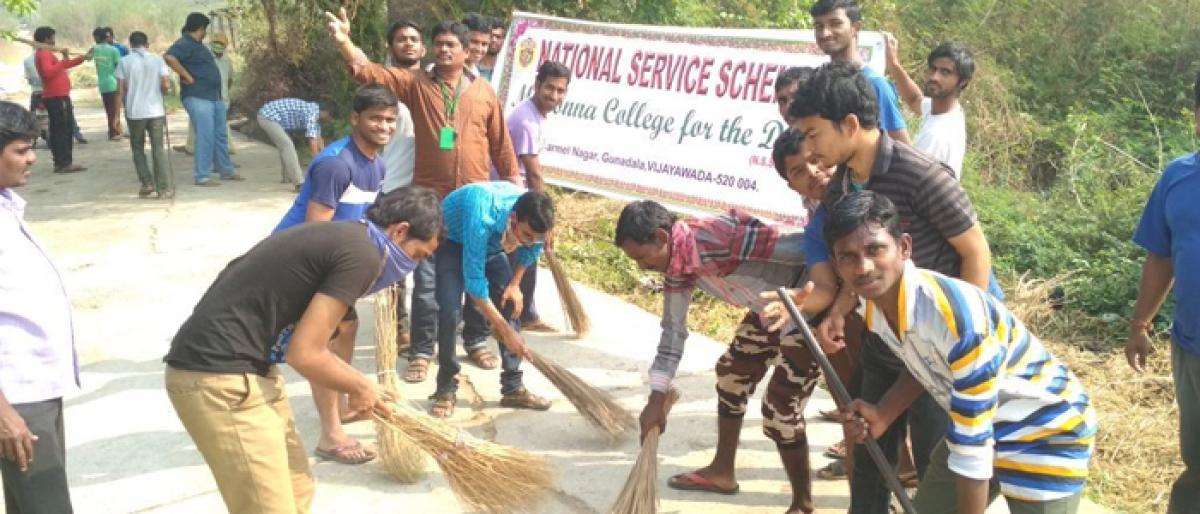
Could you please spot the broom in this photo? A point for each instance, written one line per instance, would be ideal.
(597, 406)
(401, 458)
(640, 495)
(485, 476)
(576, 316)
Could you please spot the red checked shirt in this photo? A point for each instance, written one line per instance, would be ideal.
(734, 257)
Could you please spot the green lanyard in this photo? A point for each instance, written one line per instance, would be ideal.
(451, 103)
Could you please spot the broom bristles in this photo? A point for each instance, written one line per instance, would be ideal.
(484, 476)
(576, 316)
(597, 406)
(401, 459)
(640, 494)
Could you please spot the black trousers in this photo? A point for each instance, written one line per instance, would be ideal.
(61, 113)
(41, 489)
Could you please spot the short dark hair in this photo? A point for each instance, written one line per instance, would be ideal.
(138, 38)
(640, 219)
(419, 206)
(553, 70)
(450, 27)
(960, 55)
(109, 31)
(860, 209)
(837, 90)
(476, 22)
(43, 34)
(99, 34)
(794, 75)
(536, 209)
(16, 124)
(195, 21)
(786, 145)
(823, 7)
(372, 95)
(498, 23)
(398, 25)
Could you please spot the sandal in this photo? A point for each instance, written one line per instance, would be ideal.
(443, 405)
(694, 481)
(909, 480)
(349, 454)
(418, 370)
(831, 415)
(483, 357)
(835, 470)
(538, 326)
(837, 451)
(524, 399)
(145, 191)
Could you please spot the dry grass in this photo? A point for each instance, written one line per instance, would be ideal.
(640, 494)
(597, 406)
(1137, 449)
(485, 476)
(400, 457)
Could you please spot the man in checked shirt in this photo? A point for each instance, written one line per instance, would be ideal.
(735, 257)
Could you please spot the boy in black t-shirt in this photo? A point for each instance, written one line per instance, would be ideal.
(282, 300)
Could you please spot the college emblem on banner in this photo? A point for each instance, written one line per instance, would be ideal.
(527, 54)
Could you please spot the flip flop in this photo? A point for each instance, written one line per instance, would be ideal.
(694, 481)
(835, 470)
(341, 454)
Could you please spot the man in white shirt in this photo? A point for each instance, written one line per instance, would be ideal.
(948, 71)
(142, 77)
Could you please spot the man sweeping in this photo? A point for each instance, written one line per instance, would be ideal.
(1020, 422)
(283, 300)
(484, 223)
(735, 257)
(343, 180)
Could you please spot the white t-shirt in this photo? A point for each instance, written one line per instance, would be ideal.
(142, 72)
(401, 152)
(943, 136)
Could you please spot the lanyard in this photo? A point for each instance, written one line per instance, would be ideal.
(451, 103)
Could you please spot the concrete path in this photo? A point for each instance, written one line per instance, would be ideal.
(135, 269)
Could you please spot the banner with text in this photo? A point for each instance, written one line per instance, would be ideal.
(684, 116)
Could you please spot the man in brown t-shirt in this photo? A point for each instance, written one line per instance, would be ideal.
(280, 301)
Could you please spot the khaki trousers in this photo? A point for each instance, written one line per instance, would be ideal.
(243, 426)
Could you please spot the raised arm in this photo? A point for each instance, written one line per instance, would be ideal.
(909, 90)
(362, 70)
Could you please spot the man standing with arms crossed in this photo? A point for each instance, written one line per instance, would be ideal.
(948, 72)
(458, 128)
(36, 339)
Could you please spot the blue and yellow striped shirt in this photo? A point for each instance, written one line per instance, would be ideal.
(1016, 412)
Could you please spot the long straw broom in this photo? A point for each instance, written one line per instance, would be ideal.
(640, 495)
(400, 457)
(485, 476)
(576, 316)
(597, 406)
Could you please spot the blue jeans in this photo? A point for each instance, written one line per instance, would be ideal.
(880, 368)
(475, 326)
(212, 145)
(422, 324)
(450, 289)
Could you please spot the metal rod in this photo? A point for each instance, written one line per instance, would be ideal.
(842, 397)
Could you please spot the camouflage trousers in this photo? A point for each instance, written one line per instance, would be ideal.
(755, 349)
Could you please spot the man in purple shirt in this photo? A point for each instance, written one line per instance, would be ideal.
(38, 365)
(525, 127)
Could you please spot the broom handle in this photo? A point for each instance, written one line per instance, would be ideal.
(842, 397)
(44, 46)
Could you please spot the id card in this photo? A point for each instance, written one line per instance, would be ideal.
(446, 138)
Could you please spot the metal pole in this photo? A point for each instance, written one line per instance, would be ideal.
(168, 151)
(842, 397)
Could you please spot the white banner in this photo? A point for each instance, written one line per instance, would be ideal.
(683, 116)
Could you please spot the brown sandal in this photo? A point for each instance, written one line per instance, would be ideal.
(443, 405)
(483, 358)
(418, 371)
(524, 399)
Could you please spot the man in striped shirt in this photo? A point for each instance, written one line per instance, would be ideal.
(1020, 424)
(277, 117)
(839, 116)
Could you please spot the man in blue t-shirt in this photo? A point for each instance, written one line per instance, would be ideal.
(343, 181)
(1170, 233)
(200, 91)
(836, 24)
